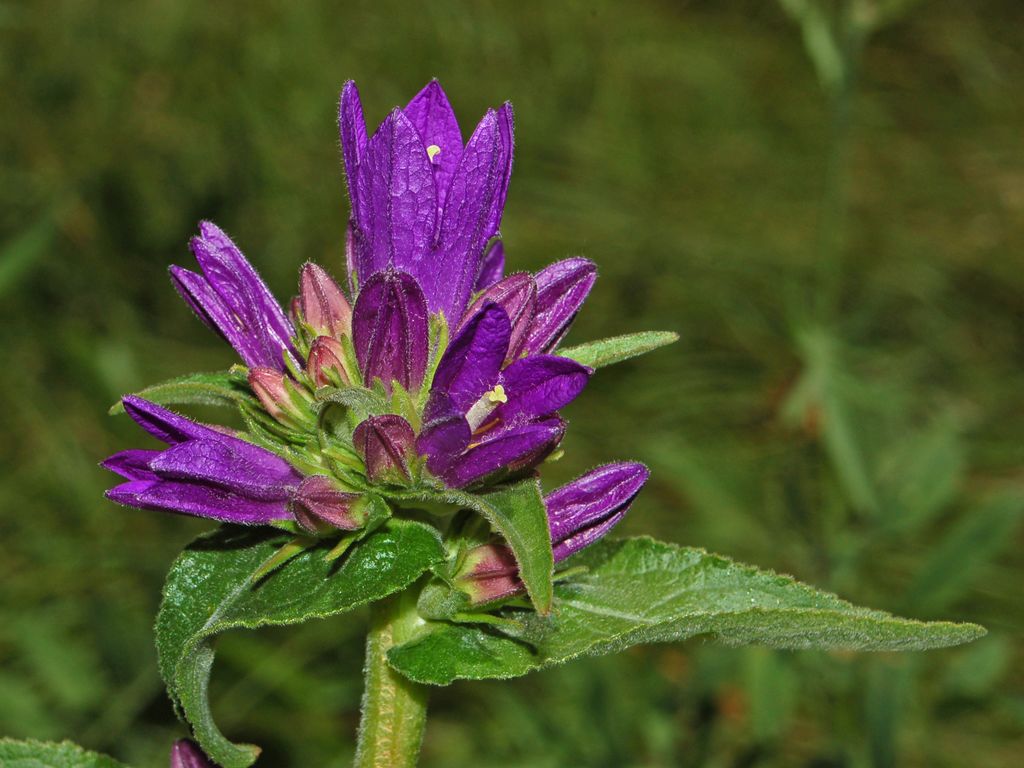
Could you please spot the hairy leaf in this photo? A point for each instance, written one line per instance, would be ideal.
(217, 388)
(644, 591)
(210, 589)
(49, 754)
(598, 354)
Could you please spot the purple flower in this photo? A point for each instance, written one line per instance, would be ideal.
(231, 298)
(422, 202)
(481, 417)
(186, 754)
(561, 290)
(203, 472)
(579, 513)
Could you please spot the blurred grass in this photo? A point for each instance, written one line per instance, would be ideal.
(875, 449)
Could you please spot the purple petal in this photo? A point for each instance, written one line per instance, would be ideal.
(390, 330)
(512, 448)
(397, 199)
(243, 291)
(437, 125)
(445, 433)
(352, 128)
(517, 295)
(539, 385)
(186, 754)
(465, 223)
(211, 309)
(235, 465)
(582, 511)
(470, 365)
(385, 442)
(132, 464)
(492, 267)
(507, 137)
(167, 425)
(198, 500)
(561, 290)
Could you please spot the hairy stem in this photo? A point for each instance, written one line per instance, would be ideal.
(394, 709)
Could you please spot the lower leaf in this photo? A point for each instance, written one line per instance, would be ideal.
(644, 591)
(210, 589)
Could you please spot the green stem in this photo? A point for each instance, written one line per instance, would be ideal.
(394, 710)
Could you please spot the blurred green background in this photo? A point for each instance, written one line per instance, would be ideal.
(825, 199)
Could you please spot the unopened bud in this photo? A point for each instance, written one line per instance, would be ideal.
(386, 444)
(326, 362)
(323, 305)
(489, 572)
(279, 396)
(319, 504)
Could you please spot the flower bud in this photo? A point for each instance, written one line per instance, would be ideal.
(322, 303)
(326, 362)
(386, 444)
(319, 504)
(186, 754)
(489, 572)
(279, 396)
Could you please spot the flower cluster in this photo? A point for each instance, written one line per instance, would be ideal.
(445, 369)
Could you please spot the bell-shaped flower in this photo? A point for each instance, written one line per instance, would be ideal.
(386, 444)
(422, 202)
(203, 472)
(322, 304)
(390, 330)
(579, 514)
(232, 299)
(481, 417)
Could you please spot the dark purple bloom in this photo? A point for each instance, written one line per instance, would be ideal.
(231, 298)
(579, 513)
(421, 201)
(386, 445)
(481, 418)
(390, 330)
(186, 754)
(561, 290)
(203, 472)
(319, 502)
(587, 508)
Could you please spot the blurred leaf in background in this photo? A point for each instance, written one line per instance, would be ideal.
(845, 404)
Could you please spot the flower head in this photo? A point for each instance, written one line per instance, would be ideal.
(430, 371)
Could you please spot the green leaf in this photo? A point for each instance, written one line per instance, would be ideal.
(598, 354)
(210, 589)
(644, 591)
(518, 513)
(217, 388)
(49, 754)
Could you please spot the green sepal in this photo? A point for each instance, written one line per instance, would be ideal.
(645, 591)
(210, 589)
(615, 349)
(224, 388)
(50, 754)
